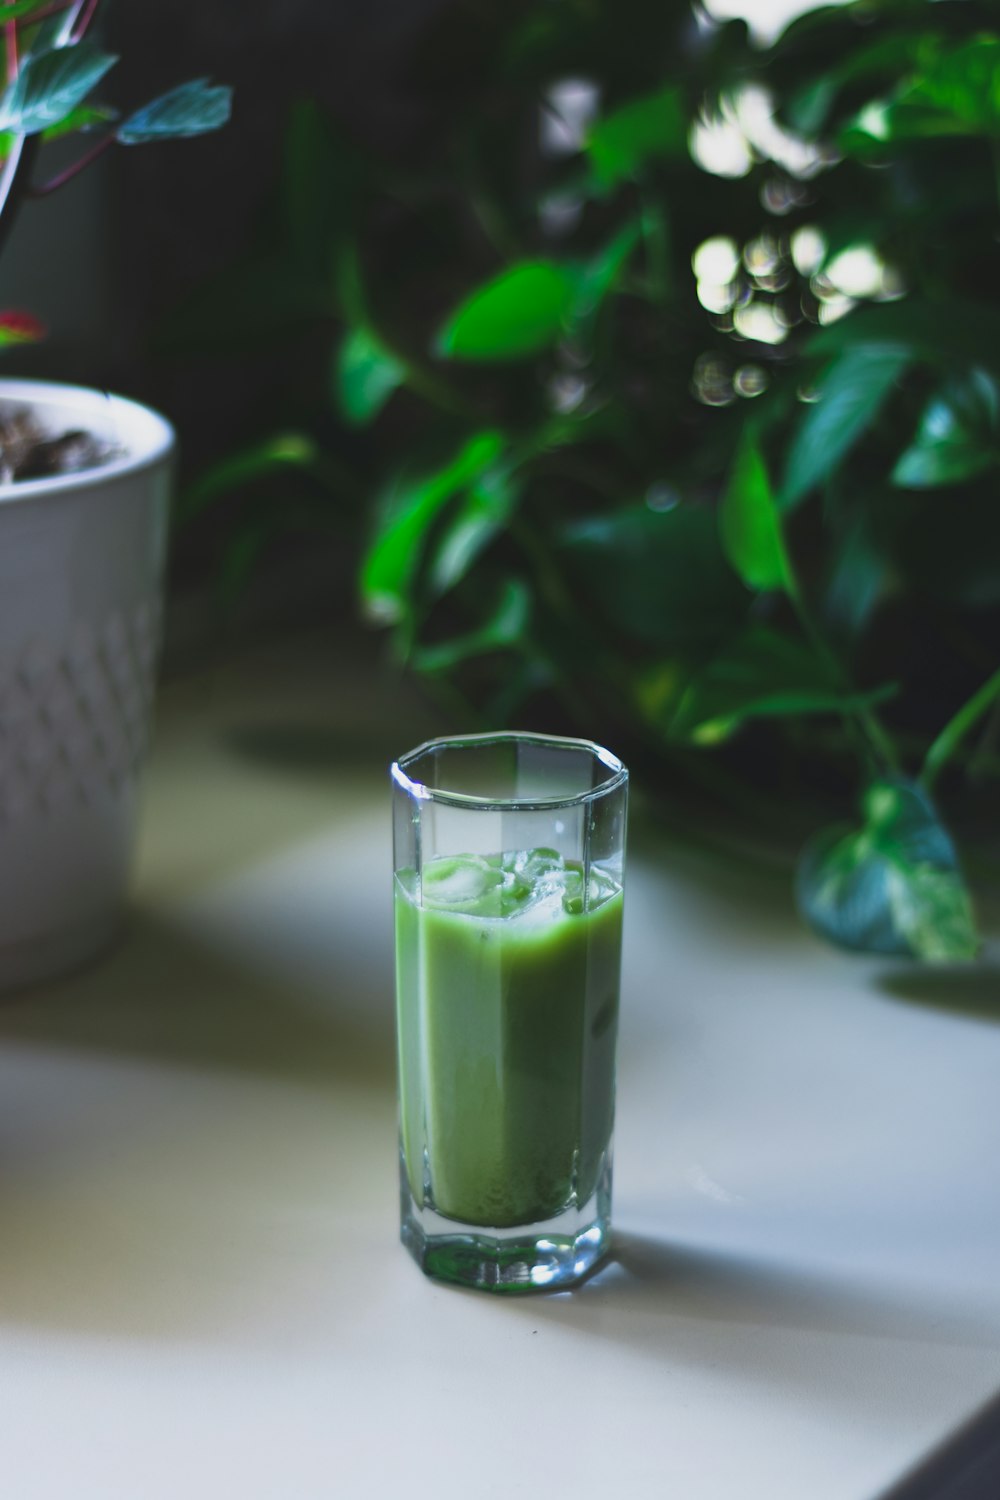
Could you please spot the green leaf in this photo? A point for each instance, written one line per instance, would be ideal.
(954, 330)
(749, 522)
(880, 64)
(50, 85)
(242, 555)
(957, 436)
(891, 886)
(480, 516)
(503, 631)
(602, 273)
(961, 84)
(621, 145)
(54, 31)
(660, 577)
(392, 558)
(85, 117)
(286, 450)
(859, 578)
(808, 107)
(17, 9)
(761, 674)
(192, 108)
(956, 91)
(365, 375)
(20, 10)
(852, 393)
(520, 312)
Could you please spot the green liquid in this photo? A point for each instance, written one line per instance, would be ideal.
(507, 997)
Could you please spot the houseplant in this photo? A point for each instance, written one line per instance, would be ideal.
(705, 448)
(83, 510)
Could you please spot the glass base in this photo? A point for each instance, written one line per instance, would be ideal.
(542, 1257)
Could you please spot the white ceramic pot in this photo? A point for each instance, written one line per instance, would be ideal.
(81, 571)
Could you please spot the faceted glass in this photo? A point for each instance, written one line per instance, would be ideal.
(509, 888)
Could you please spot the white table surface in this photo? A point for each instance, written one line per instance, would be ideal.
(201, 1289)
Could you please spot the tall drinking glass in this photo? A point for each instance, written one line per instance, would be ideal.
(509, 871)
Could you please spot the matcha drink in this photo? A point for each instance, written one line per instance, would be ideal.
(507, 975)
(507, 988)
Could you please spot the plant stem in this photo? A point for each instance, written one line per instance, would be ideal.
(875, 744)
(85, 13)
(430, 387)
(550, 582)
(352, 295)
(14, 177)
(947, 742)
(452, 701)
(979, 763)
(656, 236)
(995, 154)
(493, 224)
(489, 213)
(10, 49)
(15, 173)
(43, 189)
(983, 760)
(582, 474)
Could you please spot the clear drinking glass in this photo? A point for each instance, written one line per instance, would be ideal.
(509, 871)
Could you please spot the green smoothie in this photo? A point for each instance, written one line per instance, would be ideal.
(507, 993)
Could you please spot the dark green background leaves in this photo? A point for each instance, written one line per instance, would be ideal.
(718, 507)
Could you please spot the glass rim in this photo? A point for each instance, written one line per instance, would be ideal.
(423, 792)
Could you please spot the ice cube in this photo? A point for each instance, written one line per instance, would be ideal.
(515, 895)
(534, 864)
(572, 892)
(531, 876)
(600, 888)
(459, 880)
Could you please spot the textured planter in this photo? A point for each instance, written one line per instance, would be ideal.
(81, 569)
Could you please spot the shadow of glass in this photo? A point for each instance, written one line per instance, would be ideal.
(721, 1285)
(971, 990)
(752, 1319)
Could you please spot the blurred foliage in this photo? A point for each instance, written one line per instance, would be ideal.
(52, 69)
(663, 402)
